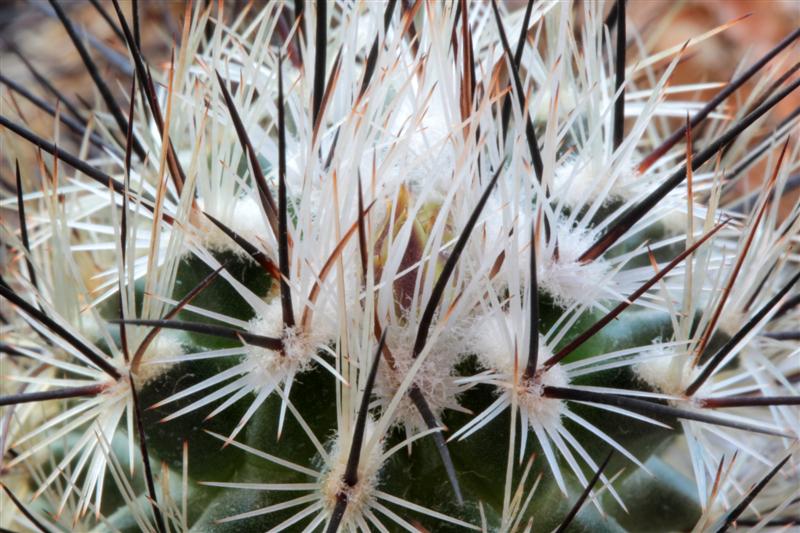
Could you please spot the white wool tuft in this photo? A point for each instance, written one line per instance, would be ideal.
(495, 349)
(435, 378)
(163, 346)
(363, 493)
(660, 369)
(422, 153)
(578, 183)
(731, 321)
(269, 366)
(245, 218)
(565, 278)
(538, 410)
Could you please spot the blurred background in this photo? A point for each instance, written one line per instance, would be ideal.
(29, 29)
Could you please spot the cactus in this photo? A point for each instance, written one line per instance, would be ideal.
(403, 266)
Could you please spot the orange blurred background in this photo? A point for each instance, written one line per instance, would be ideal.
(662, 23)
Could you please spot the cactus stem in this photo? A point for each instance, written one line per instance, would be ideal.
(74, 125)
(783, 335)
(362, 233)
(730, 517)
(722, 353)
(447, 270)
(283, 223)
(148, 473)
(351, 470)
(749, 401)
(75, 162)
(441, 446)
(742, 253)
(787, 306)
(533, 318)
(151, 335)
(57, 394)
(589, 487)
(635, 213)
(530, 132)
(209, 329)
(369, 68)
(729, 89)
(523, 33)
(267, 201)
(96, 357)
(611, 315)
(320, 52)
(137, 38)
(257, 255)
(425, 323)
(94, 72)
(649, 407)
(619, 68)
(24, 510)
(175, 168)
(23, 226)
(687, 359)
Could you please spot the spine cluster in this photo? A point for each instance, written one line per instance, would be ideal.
(403, 266)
